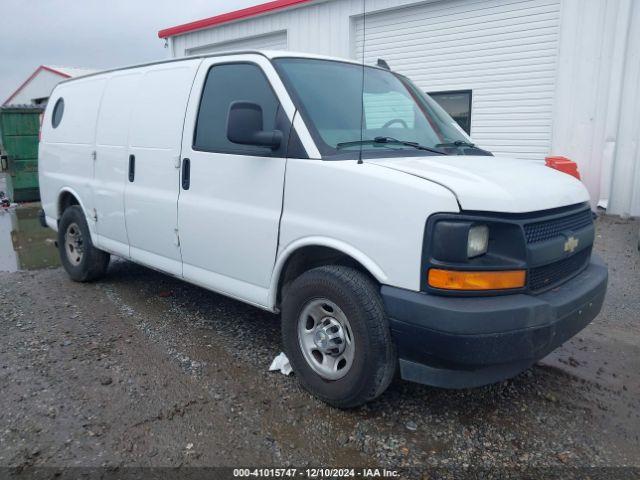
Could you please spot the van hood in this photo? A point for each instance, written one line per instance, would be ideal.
(494, 184)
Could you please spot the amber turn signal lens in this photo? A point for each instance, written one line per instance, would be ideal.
(459, 280)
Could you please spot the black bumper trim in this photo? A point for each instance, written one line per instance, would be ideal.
(474, 341)
(449, 378)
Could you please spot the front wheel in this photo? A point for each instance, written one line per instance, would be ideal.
(336, 335)
(82, 261)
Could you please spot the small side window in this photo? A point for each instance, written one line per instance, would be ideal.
(58, 111)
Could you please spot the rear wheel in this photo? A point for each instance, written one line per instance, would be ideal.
(336, 336)
(82, 261)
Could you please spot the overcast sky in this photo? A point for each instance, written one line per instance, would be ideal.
(90, 33)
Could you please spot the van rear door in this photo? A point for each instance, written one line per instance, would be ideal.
(153, 176)
(229, 209)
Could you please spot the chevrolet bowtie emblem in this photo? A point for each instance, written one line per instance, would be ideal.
(571, 244)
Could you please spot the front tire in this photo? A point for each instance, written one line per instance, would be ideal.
(336, 336)
(82, 261)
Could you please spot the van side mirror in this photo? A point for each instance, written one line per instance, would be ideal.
(245, 126)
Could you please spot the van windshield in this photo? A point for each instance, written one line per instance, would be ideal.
(396, 115)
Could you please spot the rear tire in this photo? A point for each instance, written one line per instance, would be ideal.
(336, 336)
(82, 261)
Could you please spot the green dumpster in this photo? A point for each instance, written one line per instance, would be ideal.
(19, 128)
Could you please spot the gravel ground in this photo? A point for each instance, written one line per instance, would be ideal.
(141, 369)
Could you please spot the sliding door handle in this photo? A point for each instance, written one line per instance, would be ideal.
(186, 174)
(132, 168)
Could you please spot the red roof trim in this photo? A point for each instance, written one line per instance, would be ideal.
(53, 70)
(31, 77)
(229, 17)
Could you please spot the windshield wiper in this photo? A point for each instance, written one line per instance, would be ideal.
(461, 143)
(391, 141)
(457, 143)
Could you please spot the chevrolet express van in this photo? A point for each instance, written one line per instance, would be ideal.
(339, 195)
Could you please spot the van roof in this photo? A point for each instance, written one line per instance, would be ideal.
(270, 54)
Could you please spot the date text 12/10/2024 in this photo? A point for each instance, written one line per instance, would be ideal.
(315, 472)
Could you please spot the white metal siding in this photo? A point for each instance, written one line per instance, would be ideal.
(321, 27)
(271, 41)
(504, 51)
(540, 70)
(597, 110)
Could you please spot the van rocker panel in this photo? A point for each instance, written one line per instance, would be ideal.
(466, 342)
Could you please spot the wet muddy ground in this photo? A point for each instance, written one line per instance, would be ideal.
(143, 369)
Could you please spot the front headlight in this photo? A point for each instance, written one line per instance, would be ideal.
(457, 254)
(478, 241)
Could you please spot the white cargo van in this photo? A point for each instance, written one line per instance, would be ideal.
(339, 195)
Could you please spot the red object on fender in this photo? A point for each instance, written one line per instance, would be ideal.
(564, 165)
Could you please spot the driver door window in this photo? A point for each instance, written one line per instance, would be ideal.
(224, 85)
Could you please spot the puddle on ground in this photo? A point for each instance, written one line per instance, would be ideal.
(24, 243)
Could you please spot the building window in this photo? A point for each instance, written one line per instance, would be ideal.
(458, 105)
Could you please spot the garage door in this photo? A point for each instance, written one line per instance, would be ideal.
(503, 51)
(271, 41)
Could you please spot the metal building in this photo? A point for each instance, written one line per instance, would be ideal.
(527, 78)
(35, 90)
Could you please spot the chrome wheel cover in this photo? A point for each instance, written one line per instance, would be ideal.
(326, 339)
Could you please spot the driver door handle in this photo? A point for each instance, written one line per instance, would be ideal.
(132, 168)
(186, 174)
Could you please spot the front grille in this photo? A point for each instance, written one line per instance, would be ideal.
(548, 229)
(547, 276)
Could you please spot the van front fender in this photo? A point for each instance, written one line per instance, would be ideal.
(318, 241)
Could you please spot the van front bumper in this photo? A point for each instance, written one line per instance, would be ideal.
(456, 342)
